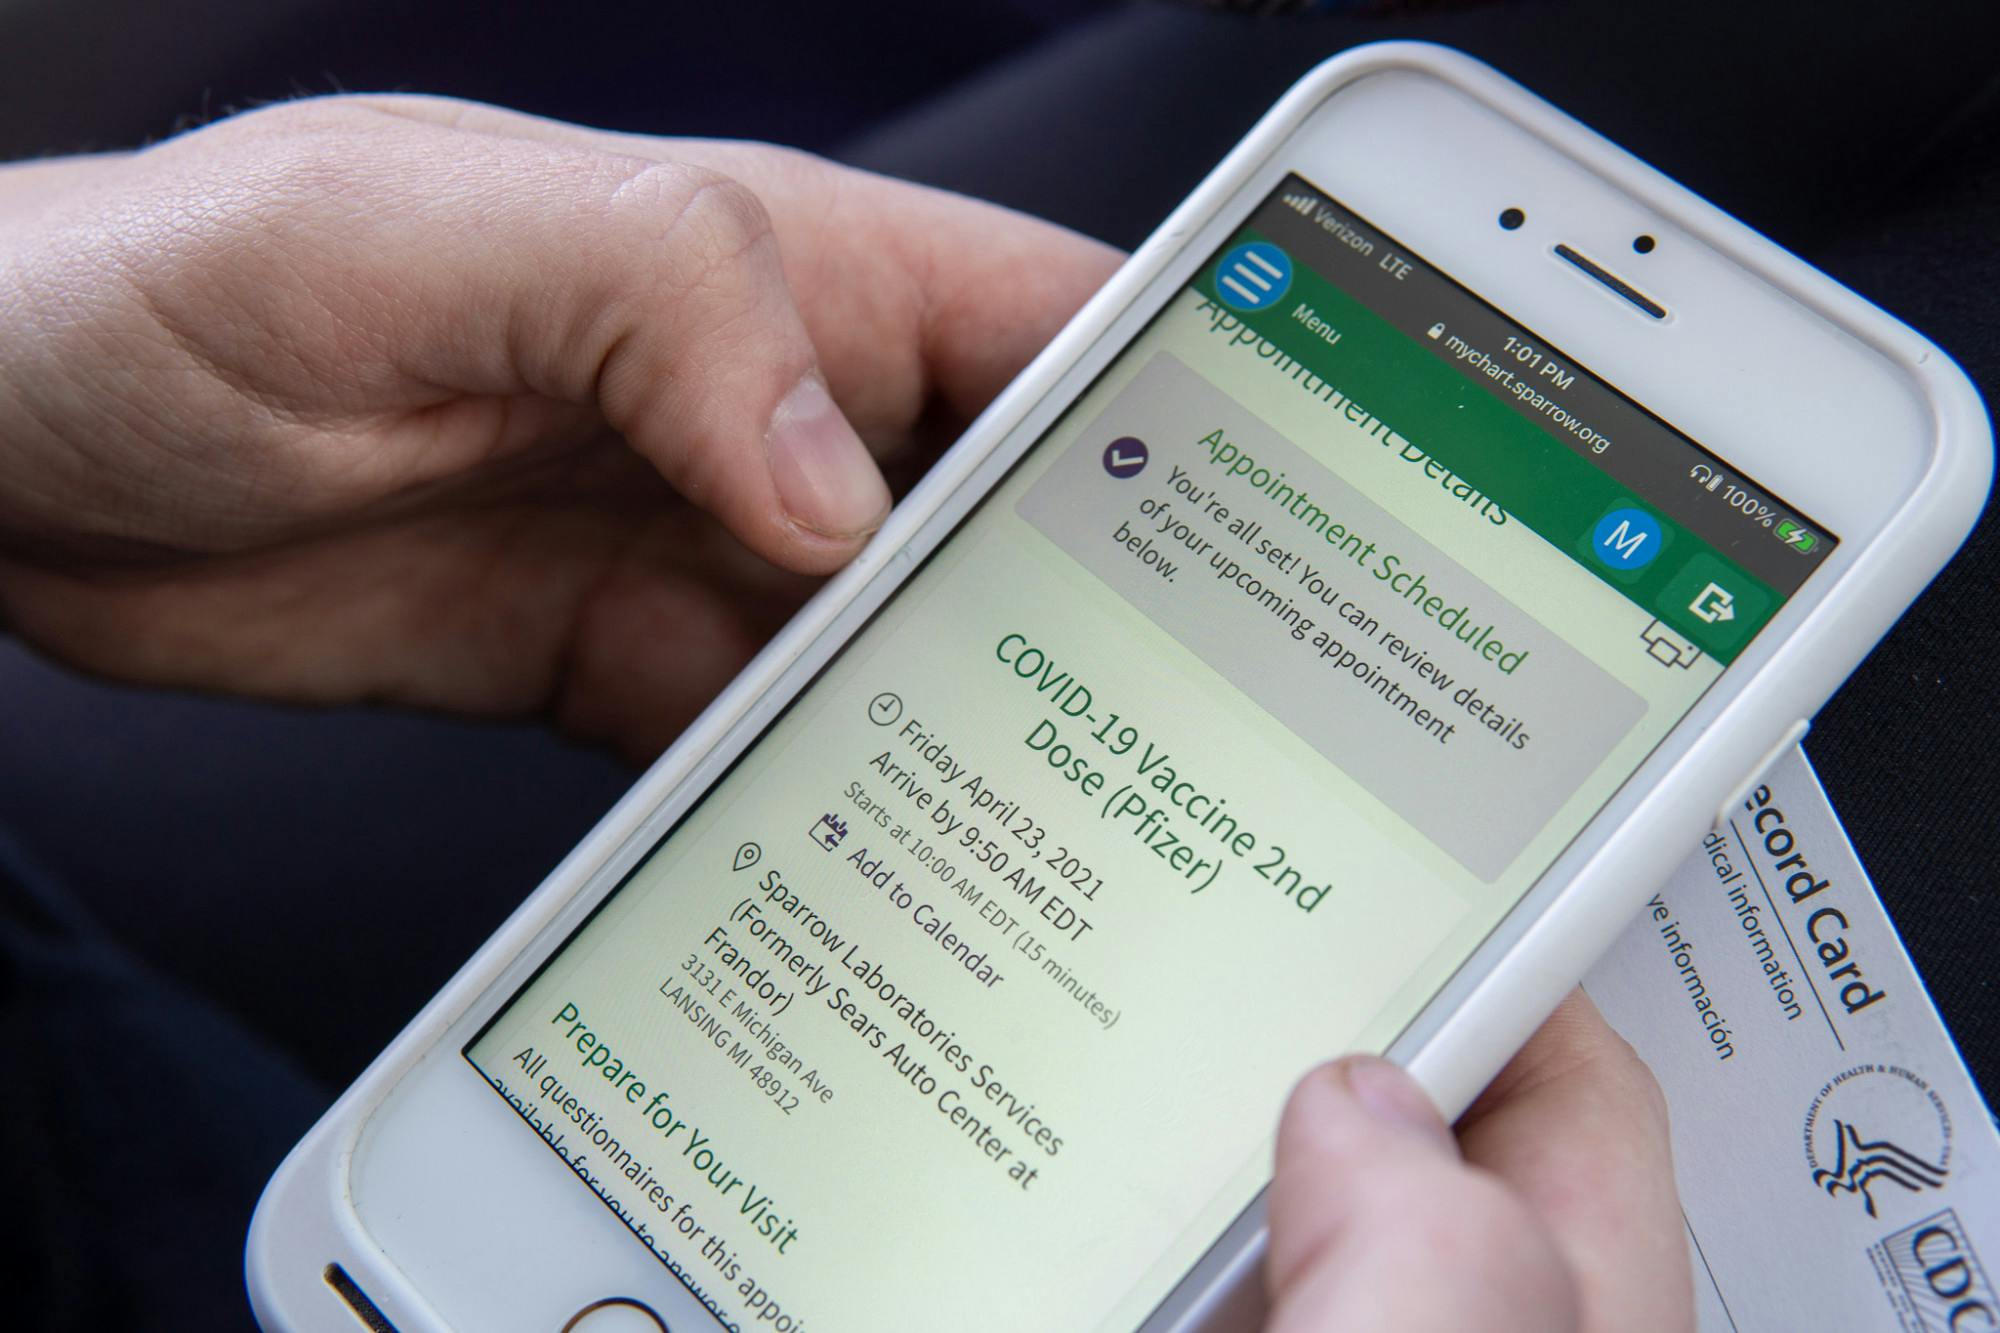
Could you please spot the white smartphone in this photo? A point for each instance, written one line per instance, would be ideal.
(1323, 646)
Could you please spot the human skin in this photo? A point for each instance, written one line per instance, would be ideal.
(1551, 1207)
(428, 403)
(417, 401)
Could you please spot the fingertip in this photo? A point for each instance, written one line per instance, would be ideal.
(826, 481)
(1389, 1094)
(1362, 1090)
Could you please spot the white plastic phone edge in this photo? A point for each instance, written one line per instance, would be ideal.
(306, 1218)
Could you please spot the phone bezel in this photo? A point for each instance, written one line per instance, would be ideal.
(457, 1201)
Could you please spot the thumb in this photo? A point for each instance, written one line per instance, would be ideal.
(710, 374)
(446, 297)
(654, 291)
(1377, 1223)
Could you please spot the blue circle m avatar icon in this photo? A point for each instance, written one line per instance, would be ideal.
(1626, 539)
(1253, 276)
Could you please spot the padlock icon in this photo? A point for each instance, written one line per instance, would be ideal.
(1437, 329)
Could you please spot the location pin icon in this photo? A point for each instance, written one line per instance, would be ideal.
(749, 854)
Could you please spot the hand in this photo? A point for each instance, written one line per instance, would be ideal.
(1553, 1209)
(405, 399)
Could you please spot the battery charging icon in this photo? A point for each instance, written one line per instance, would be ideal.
(1796, 536)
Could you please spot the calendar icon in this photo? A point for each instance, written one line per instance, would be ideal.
(828, 832)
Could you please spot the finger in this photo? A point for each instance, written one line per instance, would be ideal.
(620, 622)
(444, 274)
(1376, 1223)
(663, 632)
(912, 295)
(1576, 1125)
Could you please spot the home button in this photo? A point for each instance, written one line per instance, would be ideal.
(616, 1314)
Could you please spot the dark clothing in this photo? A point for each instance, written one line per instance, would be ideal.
(141, 1124)
(253, 869)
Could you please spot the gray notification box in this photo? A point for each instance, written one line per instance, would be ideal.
(1478, 790)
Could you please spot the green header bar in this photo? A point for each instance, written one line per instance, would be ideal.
(1539, 480)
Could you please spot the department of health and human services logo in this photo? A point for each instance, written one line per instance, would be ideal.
(1876, 1132)
(1253, 276)
(1933, 1277)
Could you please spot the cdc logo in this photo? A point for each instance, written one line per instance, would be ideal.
(1254, 276)
(1932, 1267)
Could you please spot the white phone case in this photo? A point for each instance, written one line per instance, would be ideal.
(307, 1219)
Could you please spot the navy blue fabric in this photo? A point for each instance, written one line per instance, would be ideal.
(140, 1124)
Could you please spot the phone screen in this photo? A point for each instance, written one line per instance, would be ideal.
(1209, 745)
